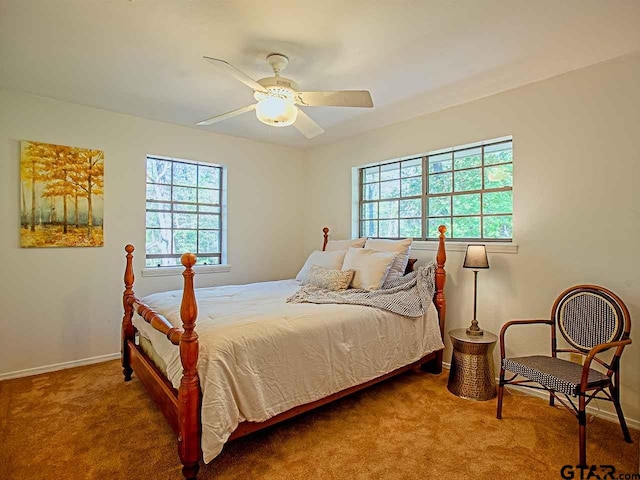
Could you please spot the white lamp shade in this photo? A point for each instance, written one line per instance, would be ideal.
(476, 257)
(277, 112)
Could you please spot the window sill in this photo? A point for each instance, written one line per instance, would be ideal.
(198, 269)
(452, 246)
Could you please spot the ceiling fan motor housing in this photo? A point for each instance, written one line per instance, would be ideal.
(278, 81)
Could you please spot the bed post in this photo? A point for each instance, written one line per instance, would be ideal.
(325, 232)
(189, 391)
(127, 325)
(441, 303)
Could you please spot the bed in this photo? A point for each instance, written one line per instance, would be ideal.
(255, 361)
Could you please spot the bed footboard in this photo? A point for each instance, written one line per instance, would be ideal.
(128, 333)
(181, 408)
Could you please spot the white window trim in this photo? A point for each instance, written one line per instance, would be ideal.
(223, 267)
(453, 245)
(172, 271)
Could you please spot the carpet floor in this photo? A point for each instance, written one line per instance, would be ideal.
(86, 423)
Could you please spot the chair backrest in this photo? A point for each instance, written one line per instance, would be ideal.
(588, 315)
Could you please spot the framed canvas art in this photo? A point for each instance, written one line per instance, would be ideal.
(62, 195)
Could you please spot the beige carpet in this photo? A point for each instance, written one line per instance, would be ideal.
(86, 423)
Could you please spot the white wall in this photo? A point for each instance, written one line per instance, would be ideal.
(576, 200)
(64, 304)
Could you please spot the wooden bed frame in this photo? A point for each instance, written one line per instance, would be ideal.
(182, 407)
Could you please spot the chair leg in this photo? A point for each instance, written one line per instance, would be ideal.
(500, 392)
(615, 395)
(552, 399)
(582, 434)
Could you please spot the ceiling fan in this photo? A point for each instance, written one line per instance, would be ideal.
(279, 98)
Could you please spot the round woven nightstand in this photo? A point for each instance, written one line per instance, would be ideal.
(472, 374)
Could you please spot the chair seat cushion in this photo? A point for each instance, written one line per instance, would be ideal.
(553, 373)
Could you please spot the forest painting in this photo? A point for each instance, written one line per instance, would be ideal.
(61, 195)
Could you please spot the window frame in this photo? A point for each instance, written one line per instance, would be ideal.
(219, 203)
(427, 236)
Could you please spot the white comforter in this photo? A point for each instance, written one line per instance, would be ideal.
(260, 356)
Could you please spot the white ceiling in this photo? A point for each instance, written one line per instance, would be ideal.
(144, 57)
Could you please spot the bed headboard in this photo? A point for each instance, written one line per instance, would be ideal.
(410, 265)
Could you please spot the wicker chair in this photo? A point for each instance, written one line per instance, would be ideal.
(591, 319)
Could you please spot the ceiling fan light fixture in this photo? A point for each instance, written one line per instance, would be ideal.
(277, 112)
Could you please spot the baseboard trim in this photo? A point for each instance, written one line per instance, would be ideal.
(591, 410)
(58, 366)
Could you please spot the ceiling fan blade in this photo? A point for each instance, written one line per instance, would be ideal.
(235, 73)
(224, 116)
(344, 98)
(307, 126)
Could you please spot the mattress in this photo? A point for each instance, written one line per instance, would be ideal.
(260, 356)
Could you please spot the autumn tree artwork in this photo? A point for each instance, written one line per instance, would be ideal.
(62, 195)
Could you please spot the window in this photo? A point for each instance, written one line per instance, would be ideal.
(184, 211)
(467, 189)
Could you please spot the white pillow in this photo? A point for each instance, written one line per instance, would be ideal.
(400, 247)
(334, 245)
(330, 260)
(371, 267)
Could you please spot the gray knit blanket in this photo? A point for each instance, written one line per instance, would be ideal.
(409, 295)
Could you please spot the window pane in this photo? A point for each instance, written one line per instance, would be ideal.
(468, 158)
(410, 208)
(440, 206)
(158, 171)
(498, 176)
(208, 196)
(185, 174)
(369, 229)
(440, 183)
(369, 211)
(185, 241)
(388, 209)
(158, 220)
(497, 202)
(208, 221)
(468, 204)
(185, 194)
(209, 208)
(468, 180)
(499, 226)
(158, 241)
(208, 177)
(390, 171)
(208, 241)
(370, 191)
(433, 225)
(499, 153)
(371, 174)
(181, 207)
(388, 228)
(390, 189)
(158, 192)
(412, 168)
(411, 228)
(440, 163)
(185, 220)
(208, 261)
(159, 206)
(466, 227)
(162, 262)
(411, 186)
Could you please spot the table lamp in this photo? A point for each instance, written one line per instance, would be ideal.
(475, 258)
